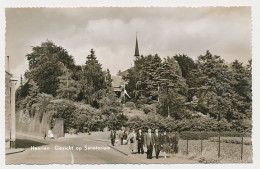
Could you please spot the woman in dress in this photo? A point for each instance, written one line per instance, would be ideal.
(165, 143)
(132, 141)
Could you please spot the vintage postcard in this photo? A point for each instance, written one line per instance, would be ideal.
(119, 85)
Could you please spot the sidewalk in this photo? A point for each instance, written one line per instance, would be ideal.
(171, 159)
(13, 151)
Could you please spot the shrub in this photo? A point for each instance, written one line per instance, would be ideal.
(149, 108)
(136, 122)
(115, 122)
(77, 116)
(152, 121)
(202, 124)
(244, 125)
(192, 135)
(198, 135)
(130, 105)
(233, 140)
(65, 109)
(109, 104)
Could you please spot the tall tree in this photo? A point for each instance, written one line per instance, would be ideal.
(108, 79)
(92, 80)
(45, 66)
(173, 88)
(186, 64)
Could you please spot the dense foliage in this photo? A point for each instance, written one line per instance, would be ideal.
(185, 89)
(174, 93)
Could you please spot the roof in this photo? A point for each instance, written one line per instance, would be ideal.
(117, 89)
(117, 81)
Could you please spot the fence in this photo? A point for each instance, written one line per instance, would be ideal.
(223, 147)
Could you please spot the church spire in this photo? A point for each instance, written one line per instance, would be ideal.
(136, 47)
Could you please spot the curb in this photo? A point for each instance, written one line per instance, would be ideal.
(117, 149)
(14, 152)
(128, 155)
(100, 140)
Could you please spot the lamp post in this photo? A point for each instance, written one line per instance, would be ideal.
(12, 134)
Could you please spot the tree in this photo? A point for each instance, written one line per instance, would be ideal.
(67, 86)
(31, 98)
(224, 91)
(92, 80)
(109, 104)
(173, 88)
(45, 66)
(108, 79)
(186, 64)
(210, 82)
(149, 77)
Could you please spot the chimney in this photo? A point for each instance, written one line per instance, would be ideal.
(7, 66)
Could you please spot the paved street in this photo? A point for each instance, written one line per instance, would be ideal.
(43, 156)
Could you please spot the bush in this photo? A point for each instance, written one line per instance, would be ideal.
(136, 122)
(80, 117)
(109, 104)
(130, 105)
(199, 128)
(244, 125)
(115, 122)
(193, 135)
(66, 109)
(233, 140)
(149, 108)
(152, 121)
(202, 124)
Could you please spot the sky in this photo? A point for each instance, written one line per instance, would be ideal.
(111, 32)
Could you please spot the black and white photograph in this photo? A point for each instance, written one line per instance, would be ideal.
(128, 85)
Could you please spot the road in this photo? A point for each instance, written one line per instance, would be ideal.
(49, 155)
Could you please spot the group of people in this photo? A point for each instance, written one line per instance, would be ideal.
(147, 142)
(47, 135)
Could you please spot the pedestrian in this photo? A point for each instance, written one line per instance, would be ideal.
(132, 141)
(157, 143)
(50, 134)
(113, 137)
(121, 136)
(176, 138)
(165, 141)
(44, 134)
(140, 142)
(124, 137)
(149, 143)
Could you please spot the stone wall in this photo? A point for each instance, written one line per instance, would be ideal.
(35, 127)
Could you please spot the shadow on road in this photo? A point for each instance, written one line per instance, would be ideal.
(24, 143)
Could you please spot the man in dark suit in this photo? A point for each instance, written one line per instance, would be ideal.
(157, 143)
(149, 142)
(175, 142)
(140, 139)
(121, 135)
(113, 137)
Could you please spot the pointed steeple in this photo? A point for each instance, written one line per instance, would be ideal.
(136, 47)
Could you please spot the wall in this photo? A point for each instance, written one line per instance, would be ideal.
(34, 127)
(7, 109)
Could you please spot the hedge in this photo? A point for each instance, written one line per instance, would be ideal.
(193, 135)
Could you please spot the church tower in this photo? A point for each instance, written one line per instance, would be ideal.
(136, 48)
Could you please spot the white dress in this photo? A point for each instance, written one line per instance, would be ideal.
(132, 146)
(50, 134)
